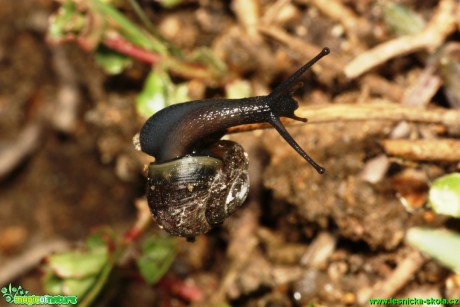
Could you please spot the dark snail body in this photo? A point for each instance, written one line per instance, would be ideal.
(186, 127)
(196, 180)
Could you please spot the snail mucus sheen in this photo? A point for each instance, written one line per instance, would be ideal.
(198, 180)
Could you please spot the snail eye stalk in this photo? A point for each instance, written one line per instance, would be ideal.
(283, 104)
(198, 180)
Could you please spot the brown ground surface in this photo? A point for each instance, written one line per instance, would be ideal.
(90, 175)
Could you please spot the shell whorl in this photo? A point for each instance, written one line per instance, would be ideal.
(191, 195)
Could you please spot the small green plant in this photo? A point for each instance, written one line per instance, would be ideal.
(444, 195)
(100, 27)
(440, 244)
(85, 272)
(156, 257)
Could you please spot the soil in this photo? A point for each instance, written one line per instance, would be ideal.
(301, 237)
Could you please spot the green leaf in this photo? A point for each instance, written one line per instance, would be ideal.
(53, 285)
(156, 258)
(76, 264)
(159, 92)
(441, 245)
(68, 20)
(100, 239)
(112, 62)
(78, 287)
(130, 30)
(444, 195)
(82, 273)
(155, 94)
(82, 264)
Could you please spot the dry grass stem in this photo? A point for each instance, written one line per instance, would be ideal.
(441, 25)
(376, 111)
(248, 13)
(13, 155)
(403, 273)
(383, 87)
(330, 67)
(447, 150)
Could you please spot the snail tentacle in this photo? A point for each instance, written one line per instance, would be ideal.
(197, 181)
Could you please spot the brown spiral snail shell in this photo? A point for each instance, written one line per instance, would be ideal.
(197, 179)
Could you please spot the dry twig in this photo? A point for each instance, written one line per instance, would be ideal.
(64, 113)
(332, 66)
(403, 273)
(13, 155)
(383, 87)
(376, 111)
(447, 150)
(329, 67)
(441, 25)
(248, 13)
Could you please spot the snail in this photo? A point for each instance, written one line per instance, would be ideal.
(198, 180)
